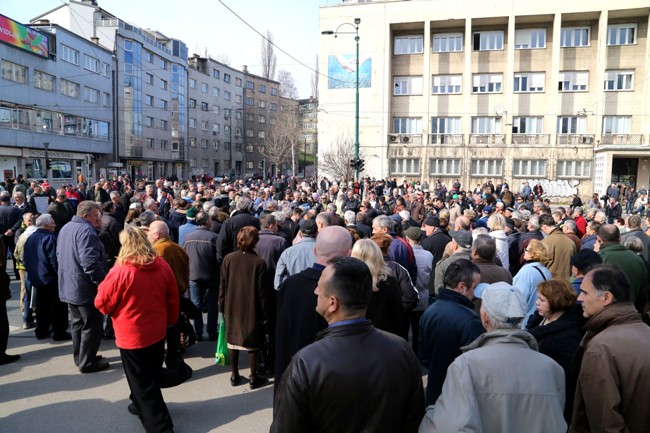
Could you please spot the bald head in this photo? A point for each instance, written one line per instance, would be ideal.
(157, 230)
(332, 241)
(609, 233)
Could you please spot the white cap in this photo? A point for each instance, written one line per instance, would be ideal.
(503, 302)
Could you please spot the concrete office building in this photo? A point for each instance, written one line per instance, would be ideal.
(55, 103)
(151, 88)
(553, 91)
(215, 118)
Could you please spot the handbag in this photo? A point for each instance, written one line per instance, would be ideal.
(221, 355)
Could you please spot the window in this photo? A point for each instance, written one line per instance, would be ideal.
(573, 81)
(226, 113)
(216, 92)
(262, 104)
(530, 39)
(274, 91)
(163, 144)
(163, 104)
(192, 122)
(529, 167)
(163, 124)
(106, 69)
(250, 133)
(444, 167)
(250, 117)
(571, 125)
(407, 125)
(619, 80)
(261, 119)
(216, 74)
(91, 63)
(407, 86)
(204, 143)
(617, 124)
(204, 88)
(68, 88)
(148, 78)
(204, 125)
(226, 95)
(404, 166)
(148, 56)
(163, 64)
(14, 72)
(70, 55)
(44, 81)
(238, 114)
(205, 106)
(249, 101)
(192, 103)
(148, 100)
(568, 168)
(261, 134)
(621, 34)
(238, 97)
(150, 142)
(163, 84)
(486, 167)
(408, 44)
(261, 88)
(226, 78)
(488, 41)
(216, 128)
(487, 83)
(226, 130)
(486, 125)
(444, 125)
(446, 84)
(215, 144)
(193, 142)
(91, 95)
(527, 125)
(149, 121)
(193, 161)
(250, 85)
(106, 99)
(529, 82)
(447, 42)
(238, 82)
(273, 106)
(574, 37)
(192, 83)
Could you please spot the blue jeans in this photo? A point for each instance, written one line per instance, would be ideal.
(205, 294)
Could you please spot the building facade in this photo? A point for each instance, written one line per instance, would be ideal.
(308, 114)
(55, 103)
(216, 118)
(555, 92)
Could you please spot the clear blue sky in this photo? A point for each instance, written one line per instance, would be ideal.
(209, 26)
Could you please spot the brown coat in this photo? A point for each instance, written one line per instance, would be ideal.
(243, 299)
(561, 248)
(614, 380)
(177, 259)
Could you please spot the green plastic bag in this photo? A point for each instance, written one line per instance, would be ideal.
(221, 356)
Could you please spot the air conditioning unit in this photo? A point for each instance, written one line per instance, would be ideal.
(406, 138)
(392, 138)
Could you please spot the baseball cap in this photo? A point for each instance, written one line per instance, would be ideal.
(308, 227)
(487, 209)
(503, 302)
(413, 233)
(462, 237)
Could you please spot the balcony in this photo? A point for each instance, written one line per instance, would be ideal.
(531, 139)
(455, 139)
(575, 139)
(487, 139)
(625, 139)
(405, 138)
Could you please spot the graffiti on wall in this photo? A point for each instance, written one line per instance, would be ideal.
(556, 188)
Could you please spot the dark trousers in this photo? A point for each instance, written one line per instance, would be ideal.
(142, 368)
(412, 323)
(50, 311)
(4, 327)
(87, 331)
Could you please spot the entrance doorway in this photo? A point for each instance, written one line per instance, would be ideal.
(624, 171)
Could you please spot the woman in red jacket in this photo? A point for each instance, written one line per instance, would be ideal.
(141, 296)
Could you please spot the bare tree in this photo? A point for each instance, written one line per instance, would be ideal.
(314, 80)
(269, 59)
(336, 162)
(223, 58)
(282, 139)
(287, 85)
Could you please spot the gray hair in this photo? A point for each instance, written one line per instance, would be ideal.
(484, 246)
(633, 243)
(383, 221)
(146, 218)
(497, 324)
(148, 202)
(279, 216)
(202, 219)
(349, 217)
(214, 213)
(268, 220)
(44, 220)
(85, 207)
(331, 207)
(570, 225)
(533, 222)
(113, 194)
(243, 203)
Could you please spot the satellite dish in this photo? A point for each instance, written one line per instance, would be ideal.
(499, 110)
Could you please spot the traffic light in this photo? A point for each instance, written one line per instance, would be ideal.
(353, 163)
(361, 161)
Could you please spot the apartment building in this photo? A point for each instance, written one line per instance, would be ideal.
(55, 103)
(531, 91)
(216, 118)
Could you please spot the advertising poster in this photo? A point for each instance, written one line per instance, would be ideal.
(20, 36)
(342, 74)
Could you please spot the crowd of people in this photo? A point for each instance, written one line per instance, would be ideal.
(524, 313)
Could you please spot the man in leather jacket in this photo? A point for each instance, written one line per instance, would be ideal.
(354, 377)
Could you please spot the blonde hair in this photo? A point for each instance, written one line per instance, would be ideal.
(368, 251)
(496, 222)
(538, 251)
(136, 248)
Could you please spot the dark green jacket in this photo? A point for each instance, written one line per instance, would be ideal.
(631, 264)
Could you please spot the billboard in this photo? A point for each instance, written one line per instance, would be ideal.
(15, 34)
(341, 71)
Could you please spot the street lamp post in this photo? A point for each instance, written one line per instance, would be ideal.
(357, 21)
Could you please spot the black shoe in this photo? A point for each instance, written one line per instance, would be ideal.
(8, 359)
(97, 365)
(199, 337)
(132, 409)
(41, 335)
(109, 336)
(213, 337)
(62, 337)
(236, 381)
(259, 382)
